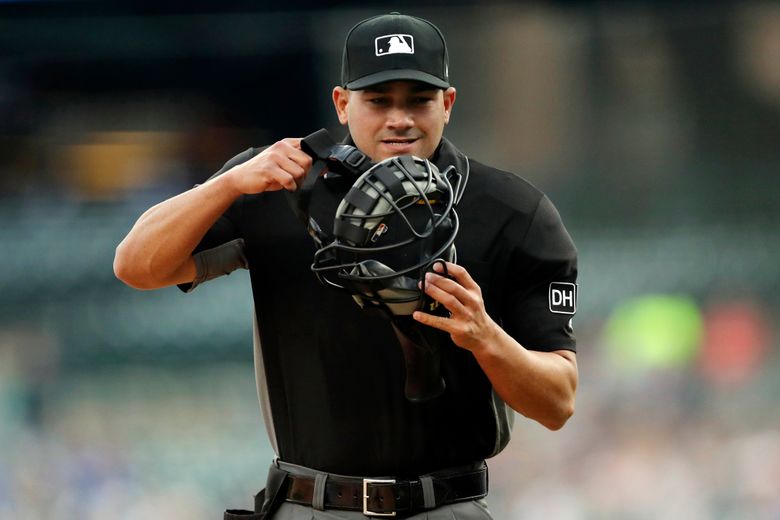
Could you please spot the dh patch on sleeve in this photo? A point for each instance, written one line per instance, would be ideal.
(562, 297)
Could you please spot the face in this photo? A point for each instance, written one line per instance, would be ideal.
(395, 118)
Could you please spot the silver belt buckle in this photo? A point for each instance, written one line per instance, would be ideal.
(366, 482)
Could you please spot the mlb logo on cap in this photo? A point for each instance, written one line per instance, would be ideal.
(394, 44)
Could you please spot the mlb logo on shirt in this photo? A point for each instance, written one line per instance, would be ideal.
(563, 297)
(394, 44)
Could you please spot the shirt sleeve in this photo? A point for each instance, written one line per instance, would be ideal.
(541, 298)
(221, 250)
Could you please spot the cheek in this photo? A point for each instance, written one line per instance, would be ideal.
(358, 117)
(362, 133)
(365, 122)
(434, 124)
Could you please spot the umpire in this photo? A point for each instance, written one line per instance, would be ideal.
(330, 377)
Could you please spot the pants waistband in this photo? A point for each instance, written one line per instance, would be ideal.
(383, 495)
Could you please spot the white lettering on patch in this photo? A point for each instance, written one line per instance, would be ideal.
(562, 298)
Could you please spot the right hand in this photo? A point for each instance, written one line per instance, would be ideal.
(281, 166)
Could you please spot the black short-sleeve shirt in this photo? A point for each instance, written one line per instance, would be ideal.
(331, 377)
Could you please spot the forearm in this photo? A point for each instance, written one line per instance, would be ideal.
(539, 385)
(157, 250)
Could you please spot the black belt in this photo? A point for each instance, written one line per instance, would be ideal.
(388, 497)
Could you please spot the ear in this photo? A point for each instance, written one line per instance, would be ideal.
(449, 100)
(340, 101)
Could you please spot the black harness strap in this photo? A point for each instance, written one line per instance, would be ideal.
(318, 146)
(391, 181)
(350, 232)
(328, 156)
(360, 199)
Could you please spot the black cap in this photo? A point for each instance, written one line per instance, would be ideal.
(394, 47)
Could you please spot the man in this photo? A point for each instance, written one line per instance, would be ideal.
(330, 376)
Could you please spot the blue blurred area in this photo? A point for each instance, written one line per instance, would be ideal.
(654, 128)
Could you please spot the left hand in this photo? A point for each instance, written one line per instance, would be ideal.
(469, 324)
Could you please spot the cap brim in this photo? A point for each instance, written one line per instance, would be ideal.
(396, 75)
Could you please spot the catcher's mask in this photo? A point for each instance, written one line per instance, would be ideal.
(393, 224)
(397, 221)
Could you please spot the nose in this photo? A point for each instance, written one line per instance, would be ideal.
(399, 118)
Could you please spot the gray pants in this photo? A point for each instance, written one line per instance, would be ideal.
(470, 510)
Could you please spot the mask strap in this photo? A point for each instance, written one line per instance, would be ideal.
(327, 156)
(316, 145)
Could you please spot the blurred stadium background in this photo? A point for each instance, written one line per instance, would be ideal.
(655, 128)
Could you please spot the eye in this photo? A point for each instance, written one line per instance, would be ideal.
(421, 100)
(379, 101)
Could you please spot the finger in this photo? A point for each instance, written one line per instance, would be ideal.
(278, 154)
(303, 160)
(295, 142)
(300, 157)
(437, 322)
(283, 178)
(459, 273)
(450, 286)
(291, 149)
(451, 295)
(273, 186)
(287, 147)
(291, 166)
(293, 145)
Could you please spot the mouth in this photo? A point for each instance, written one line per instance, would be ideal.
(399, 143)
